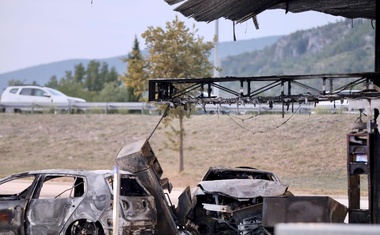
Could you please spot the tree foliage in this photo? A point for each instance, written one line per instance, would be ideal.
(175, 51)
(15, 82)
(135, 77)
(96, 82)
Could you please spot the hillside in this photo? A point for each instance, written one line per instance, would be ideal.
(42, 73)
(342, 47)
(308, 152)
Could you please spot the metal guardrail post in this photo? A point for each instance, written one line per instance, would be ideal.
(116, 196)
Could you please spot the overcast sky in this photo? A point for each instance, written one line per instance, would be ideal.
(35, 32)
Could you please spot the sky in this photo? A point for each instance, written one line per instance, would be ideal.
(35, 32)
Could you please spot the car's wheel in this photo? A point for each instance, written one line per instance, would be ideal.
(85, 227)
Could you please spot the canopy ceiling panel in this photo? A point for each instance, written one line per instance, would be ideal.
(242, 10)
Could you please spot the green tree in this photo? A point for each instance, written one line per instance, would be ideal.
(93, 81)
(79, 73)
(113, 92)
(88, 83)
(102, 76)
(53, 82)
(174, 52)
(14, 82)
(71, 87)
(135, 79)
(113, 76)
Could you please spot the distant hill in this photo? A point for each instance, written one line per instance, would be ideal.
(341, 47)
(42, 73)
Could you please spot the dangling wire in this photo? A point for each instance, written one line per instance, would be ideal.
(243, 119)
(233, 28)
(372, 24)
(255, 132)
(162, 117)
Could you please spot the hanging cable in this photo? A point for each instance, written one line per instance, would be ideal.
(243, 119)
(162, 117)
(255, 132)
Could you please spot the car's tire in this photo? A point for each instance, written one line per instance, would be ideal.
(85, 227)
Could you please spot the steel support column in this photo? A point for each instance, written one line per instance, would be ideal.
(375, 167)
(377, 42)
(375, 184)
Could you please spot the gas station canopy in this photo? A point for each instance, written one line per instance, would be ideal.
(243, 10)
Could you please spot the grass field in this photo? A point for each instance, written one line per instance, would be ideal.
(308, 152)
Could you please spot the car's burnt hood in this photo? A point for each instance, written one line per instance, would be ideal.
(244, 188)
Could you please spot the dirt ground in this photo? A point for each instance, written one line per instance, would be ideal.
(308, 152)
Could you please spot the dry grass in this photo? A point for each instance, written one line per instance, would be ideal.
(308, 152)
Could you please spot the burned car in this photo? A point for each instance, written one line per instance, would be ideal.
(240, 200)
(230, 200)
(69, 202)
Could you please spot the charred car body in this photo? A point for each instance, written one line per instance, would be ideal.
(238, 200)
(82, 206)
(230, 200)
(227, 201)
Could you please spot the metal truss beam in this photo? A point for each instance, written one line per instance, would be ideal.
(196, 90)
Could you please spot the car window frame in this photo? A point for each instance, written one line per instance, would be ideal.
(13, 90)
(26, 89)
(40, 92)
(49, 176)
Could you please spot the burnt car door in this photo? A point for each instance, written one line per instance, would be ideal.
(15, 193)
(56, 198)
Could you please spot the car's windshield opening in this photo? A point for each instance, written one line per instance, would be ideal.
(17, 186)
(225, 175)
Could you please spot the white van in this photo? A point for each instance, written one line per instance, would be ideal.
(25, 95)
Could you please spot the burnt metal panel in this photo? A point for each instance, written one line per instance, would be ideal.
(12, 216)
(184, 205)
(47, 216)
(305, 209)
(140, 159)
(359, 216)
(242, 213)
(244, 188)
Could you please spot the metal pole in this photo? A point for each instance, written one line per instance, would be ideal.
(375, 164)
(282, 98)
(116, 195)
(377, 40)
(216, 55)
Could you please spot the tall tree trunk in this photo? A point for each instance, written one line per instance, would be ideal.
(181, 133)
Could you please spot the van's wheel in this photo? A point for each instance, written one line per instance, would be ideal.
(85, 227)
